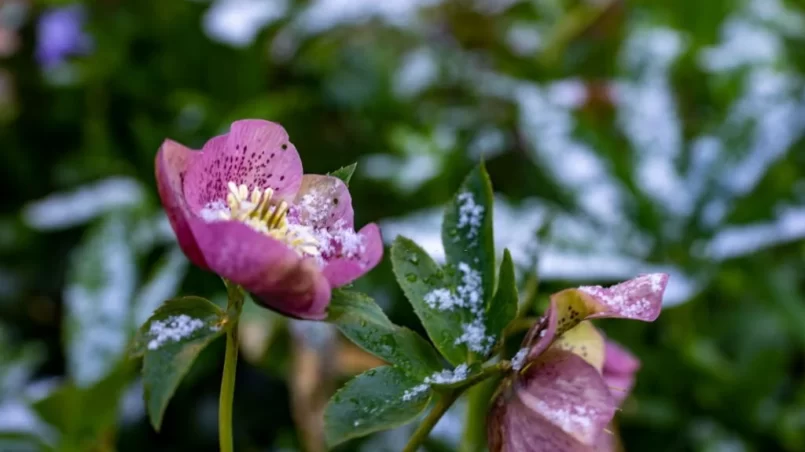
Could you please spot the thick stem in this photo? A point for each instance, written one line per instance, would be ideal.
(422, 432)
(228, 390)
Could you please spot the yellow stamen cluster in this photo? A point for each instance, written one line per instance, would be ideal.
(256, 211)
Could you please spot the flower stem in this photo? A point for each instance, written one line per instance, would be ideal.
(421, 433)
(228, 391)
(448, 397)
(225, 400)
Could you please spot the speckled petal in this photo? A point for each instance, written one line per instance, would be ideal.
(266, 267)
(619, 370)
(256, 153)
(172, 162)
(569, 393)
(341, 271)
(513, 427)
(322, 202)
(638, 299)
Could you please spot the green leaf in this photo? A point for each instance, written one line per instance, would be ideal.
(187, 325)
(345, 173)
(419, 275)
(503, 308)
(364, 323)
(467, 233)
(100, 285)
(374, 400)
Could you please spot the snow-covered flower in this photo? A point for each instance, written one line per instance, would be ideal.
(241, 208)
(565, 392)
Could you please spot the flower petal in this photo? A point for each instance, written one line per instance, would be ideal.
(619, 371)
(639, 298)
(344, 270)
(512, 427)
(323, 202)
(586, 341)
(172, 162)
(256, 153)
(279, 278)
(569, 393)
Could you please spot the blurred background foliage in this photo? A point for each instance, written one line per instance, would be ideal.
(621, 136)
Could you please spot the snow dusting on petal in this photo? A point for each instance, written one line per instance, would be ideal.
(569, 393)
(518, 360)
(639, 298)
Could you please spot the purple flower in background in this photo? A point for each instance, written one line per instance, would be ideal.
(60, 34)
(242, 208)
(571, 380)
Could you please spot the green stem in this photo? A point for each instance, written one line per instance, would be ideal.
(447, 398)
(228, 390)
(422, 432)
(225, 400)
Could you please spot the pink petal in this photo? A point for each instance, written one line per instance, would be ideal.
(323, 202)
(558, 404)
(279, 277)
(543, 333)
(569, 393)
(619, 371)
(172, 162)
(512, 427)
(256, 153)
(608, 441)
(639, 298)
(343, 270)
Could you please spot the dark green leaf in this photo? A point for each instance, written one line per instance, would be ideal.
(419, 275)
(364, 323)
(503, 308)
(187, 325)
(467, 229)
(345, 173)
(378, 399)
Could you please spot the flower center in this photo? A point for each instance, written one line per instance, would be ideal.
(256, 210)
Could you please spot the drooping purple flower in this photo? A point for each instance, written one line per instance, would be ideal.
(60, 34)
(242, 208)
(566, 390)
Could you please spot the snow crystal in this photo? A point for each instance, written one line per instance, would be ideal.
(630, 298)
(442, 299)
(444, 377)
(470, 214)
(474, 335)
(518, 360)
(571, 419)
(214, 211)
(174, 328)
(468, 295)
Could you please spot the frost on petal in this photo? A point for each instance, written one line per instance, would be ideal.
(639, 298)
(345, 269)
(569, 393)
(619, 370)
(172, 163)
(254, 153)
(323, 202)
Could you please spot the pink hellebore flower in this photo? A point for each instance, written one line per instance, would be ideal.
(570, 381)
(241, 208)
